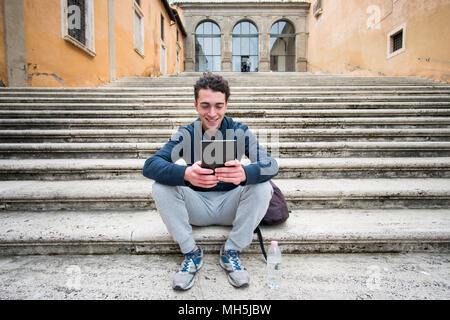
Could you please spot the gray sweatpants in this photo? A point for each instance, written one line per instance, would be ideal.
(242, 208)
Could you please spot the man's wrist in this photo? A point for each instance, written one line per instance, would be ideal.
(187, 173)
(244, 176)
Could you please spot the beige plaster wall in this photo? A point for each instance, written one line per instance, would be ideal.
(350, 37)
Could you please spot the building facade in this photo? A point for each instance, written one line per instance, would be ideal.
(88, 43)
(245, 35)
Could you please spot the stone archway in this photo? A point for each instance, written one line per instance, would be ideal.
(227, 15)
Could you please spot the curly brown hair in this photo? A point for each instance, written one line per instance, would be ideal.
(214, 82)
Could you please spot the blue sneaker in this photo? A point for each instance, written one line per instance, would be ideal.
(237, 275)
(185, 277)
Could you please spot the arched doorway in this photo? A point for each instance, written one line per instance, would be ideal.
(282, 47)
(245, 47)
(207, 47)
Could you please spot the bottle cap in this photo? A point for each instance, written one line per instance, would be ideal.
(274, 243)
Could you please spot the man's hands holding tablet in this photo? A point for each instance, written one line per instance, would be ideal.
(200, 177)
(219, 164)
(233, 172)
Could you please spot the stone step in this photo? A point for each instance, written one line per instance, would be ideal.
(306, 168)
(256, 113)
(39, 196)
(280, 74)
(306, 231)
(270, 135)
(233, 99)
(236, 92)
(264, 77)
(281, 149)
(272, 82)
(269, 75)
(253, 123)
(183, 90)
(363, 168)
(231, 107)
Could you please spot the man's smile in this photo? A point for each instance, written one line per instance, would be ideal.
(212, 121)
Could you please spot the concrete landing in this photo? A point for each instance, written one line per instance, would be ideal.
(307, 276)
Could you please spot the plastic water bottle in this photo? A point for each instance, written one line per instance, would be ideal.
(274, 266)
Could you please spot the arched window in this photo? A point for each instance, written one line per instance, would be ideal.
(245, 47)
(207, 47)
(282, 46)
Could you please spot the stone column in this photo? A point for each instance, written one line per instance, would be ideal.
(264, 47)
(301, 41)
(300, 44)
(227, 59)
(189, 45)
(189, 53)
(15, 43)
(111, 41)
(227, 44)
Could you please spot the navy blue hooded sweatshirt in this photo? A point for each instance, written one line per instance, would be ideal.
(186, 144)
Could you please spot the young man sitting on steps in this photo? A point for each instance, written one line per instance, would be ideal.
(234, 195)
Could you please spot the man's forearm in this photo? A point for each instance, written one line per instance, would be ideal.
(164, 172)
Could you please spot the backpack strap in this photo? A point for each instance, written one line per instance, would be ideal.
(261, 243)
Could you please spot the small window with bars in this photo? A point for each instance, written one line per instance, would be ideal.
(162, 28)
(77, 20)
(138, 30)
(317, 9)
(396, 41)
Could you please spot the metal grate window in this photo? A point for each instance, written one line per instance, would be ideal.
(397, 41)
(317, 9)
(162, 28)
(76, 17)
(317, 6)
(138, 33)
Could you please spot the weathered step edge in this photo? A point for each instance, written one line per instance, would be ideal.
(300, 193)
(143, 232)
(106, 169)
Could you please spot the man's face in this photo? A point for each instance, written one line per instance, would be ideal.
(211, 107)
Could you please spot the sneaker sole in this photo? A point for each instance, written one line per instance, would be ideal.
(178, 288)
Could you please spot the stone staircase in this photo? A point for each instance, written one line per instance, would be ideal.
(364, 162)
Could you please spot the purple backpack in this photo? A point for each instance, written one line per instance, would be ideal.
(277, 213)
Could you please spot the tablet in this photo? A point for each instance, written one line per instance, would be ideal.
(216, 152)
